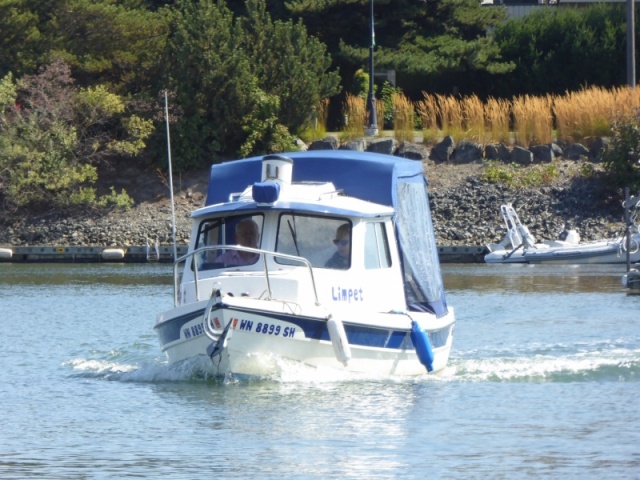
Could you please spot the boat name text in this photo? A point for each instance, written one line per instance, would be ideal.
(340, 294)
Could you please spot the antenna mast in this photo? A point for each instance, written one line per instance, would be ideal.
(173, 210)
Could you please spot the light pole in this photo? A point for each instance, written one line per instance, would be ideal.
(631, 44)
(372, 129)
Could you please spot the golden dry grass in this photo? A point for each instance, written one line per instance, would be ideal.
(404, 118)
(533, 122)
(473, 119)
(591, 112)
(526, 119)
(427, 110)
(497, 119)
(451, 116)
(355, 113)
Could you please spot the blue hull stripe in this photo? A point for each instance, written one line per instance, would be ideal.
(169, 331)
(356, 335)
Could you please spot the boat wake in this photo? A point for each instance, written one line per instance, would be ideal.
(555, 363)
(154, 372)
(598, 361)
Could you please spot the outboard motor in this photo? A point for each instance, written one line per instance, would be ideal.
(569, 235)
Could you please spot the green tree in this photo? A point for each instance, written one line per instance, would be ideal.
(119, 43)
(242, 83)
(435, 44)
(54, 134)
(212, 80)
(560, 49)
(288, 63)
(21, 39)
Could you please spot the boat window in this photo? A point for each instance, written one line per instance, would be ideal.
(421, 265)
(376, 247)
(232, 230)
(320, 240)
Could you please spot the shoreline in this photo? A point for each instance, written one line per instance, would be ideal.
(465, 212)
(164, 254)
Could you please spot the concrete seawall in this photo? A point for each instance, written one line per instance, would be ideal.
(164, 253)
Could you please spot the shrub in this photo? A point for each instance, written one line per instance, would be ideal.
(264, 133)
(53, 135)
(516, 176)
(621, 156)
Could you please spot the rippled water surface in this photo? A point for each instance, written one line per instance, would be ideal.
(543, 382)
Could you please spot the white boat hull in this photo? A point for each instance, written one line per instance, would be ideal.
(600, 253)
(259, 339)
(605, 252)
(519, 246)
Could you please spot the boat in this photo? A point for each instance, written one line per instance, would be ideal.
(520, 246)
(261, 287)
(631, 280)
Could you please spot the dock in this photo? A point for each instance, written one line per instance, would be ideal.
(70, 254)
(164, 254)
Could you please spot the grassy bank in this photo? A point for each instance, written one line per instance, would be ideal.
(524, 120)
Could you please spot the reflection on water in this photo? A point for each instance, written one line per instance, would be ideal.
(479, 277)
(533, 278)
(86, 273)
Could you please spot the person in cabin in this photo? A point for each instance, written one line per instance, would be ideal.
(247, 234)
(341, 258)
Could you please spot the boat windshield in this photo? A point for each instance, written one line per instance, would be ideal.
(243, 230)
(324, 241)
(423, 279)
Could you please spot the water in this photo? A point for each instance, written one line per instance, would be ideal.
(543, 383)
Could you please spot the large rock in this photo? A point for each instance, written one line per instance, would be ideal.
(521, 156)
(442, 151)
(327, 143)
(466, 152)
(412, 151)
(576, 151)
(383, 145)
(497, 151)
(542, 153)
(359, 144)
(557, 150)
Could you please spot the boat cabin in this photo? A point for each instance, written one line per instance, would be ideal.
(343, 229)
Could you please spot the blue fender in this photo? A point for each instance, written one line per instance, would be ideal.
(421, 342)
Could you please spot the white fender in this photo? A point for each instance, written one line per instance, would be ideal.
(6, 253)
(113, 254)
(339, 340)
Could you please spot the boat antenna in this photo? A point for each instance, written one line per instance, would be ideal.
(173, 210)
(627, 221)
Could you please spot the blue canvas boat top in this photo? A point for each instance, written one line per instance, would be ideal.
(364, 175)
